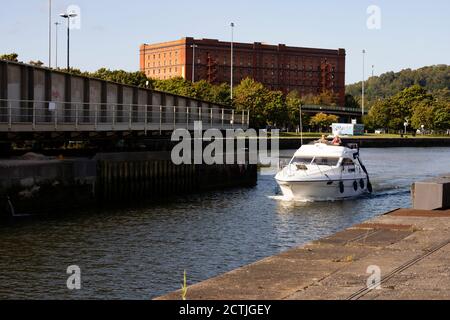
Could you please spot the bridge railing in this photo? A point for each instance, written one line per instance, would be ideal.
(326, 108)
(26, 115)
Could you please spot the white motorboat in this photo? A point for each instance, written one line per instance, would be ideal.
(321, 171)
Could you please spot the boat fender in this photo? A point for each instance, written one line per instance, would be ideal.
(361, 183)
(369, 186)
(329, 183)
(355, 185)
(341, 186)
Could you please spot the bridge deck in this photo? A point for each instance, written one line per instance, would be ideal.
(46, 116)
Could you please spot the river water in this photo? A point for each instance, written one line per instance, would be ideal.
(142, 253)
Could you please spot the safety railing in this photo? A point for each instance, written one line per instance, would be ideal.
(317, 107)
(26, 115)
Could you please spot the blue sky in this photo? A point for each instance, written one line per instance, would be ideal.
(412, 34)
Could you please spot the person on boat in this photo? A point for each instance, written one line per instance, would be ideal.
(336, 141)
(323, 139)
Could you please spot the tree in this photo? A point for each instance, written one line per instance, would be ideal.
(202, 90)
(391, 113)
(221, 94)
(323, 121)
(252, 95)
(10, 57)
(402, 105)
(120, 76)
(441, 120)
(423, 115)
(327, 98)
(332, 119)
(293, 103)
(275, 110)
(350, 101)
(432, 78)
(38, 63)
(176, 86)
(378, 116)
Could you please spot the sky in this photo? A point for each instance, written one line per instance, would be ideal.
(399, 34)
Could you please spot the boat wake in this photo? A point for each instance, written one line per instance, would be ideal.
(284, 198)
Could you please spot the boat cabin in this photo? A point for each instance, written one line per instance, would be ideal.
(325, 155)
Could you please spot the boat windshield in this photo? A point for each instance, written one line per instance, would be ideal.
(302, 160)
(326, 161)
(321, 161)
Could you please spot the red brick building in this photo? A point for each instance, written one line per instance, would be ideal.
(278, 67)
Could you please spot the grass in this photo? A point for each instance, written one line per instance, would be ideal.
(288, 135)
(184, 287)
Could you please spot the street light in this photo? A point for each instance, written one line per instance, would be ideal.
(56, 44)
(68, 16)
(193, 61)
(232, 47)
(49, 33)
(364, 76)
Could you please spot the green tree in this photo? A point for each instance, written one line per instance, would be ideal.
(423, 114)
(176, 86)
(252, 95)
(432, 78)
(221, 94)
(378, 117)
(441, 119)
(10, 57)
(351, 102)
(120, 76)
(402, 105)
(293, 103)
(275, 110)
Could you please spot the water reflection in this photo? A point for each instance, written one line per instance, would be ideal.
(140, 254)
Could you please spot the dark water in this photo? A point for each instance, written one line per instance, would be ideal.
(140, 254)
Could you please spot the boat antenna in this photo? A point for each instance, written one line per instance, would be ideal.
(301, 125)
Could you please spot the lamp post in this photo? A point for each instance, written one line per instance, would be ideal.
(193, 61)
(56, 44)
(49, 33)
(363, 83)
(301, 126)
(232, 53)
(68, 16)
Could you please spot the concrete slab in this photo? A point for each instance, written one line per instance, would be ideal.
(411, 248)
(431, 194)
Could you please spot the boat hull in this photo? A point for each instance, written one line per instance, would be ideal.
(323, 190)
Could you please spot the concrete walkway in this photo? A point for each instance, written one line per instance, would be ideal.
(411, 248)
